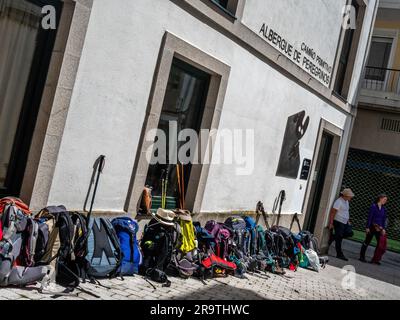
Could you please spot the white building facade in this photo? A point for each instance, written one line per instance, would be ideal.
(288, 70)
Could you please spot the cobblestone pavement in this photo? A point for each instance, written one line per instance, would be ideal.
(303, 284)
(369, 282)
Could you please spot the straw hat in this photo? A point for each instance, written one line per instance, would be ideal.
(347, 193)
(165, 217)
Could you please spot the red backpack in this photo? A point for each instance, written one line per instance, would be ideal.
(15, 201)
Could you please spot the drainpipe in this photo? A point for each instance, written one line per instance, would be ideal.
(345, 145)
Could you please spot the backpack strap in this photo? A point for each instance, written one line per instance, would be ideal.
(79, 240)
(30, 245)
(66, 234)
(115, 241)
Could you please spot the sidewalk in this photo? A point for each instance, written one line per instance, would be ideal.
(371, 282)
(388, 271)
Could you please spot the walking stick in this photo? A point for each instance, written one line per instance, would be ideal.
(100, 168)
(162, 188)
(165, 188)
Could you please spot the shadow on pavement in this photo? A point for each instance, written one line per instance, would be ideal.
(215, 290)
(388, 271)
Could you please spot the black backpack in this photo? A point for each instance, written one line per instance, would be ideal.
(288, 242)
(158, 244)
(309, 241)
(63, 232)
(42, 240)
(241, 236)
(74, 265)
(275, 243)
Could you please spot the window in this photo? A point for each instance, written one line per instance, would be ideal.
(349, 49)
(227, 6)
(24, 61)
(379, 57)
(184, 103)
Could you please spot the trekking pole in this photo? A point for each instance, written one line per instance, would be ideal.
(162, 193)
(295, 218)
(183, 188)
(179, 185)
(100, 168)
(166, 186)
(162, 188)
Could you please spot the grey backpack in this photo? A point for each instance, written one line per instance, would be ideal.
(103, 256)
(18, 245)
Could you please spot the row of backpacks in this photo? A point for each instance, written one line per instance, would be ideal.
(172, 244)
(70, 247)
(63, 246)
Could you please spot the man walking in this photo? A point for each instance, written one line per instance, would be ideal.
(339, 220)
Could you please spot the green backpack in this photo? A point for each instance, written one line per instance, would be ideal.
(261, 242)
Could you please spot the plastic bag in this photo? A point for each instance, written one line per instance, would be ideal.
(313, 260)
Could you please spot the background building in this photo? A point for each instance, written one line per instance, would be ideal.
(114, 70)
(373, 164)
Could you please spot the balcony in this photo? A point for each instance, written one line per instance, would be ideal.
(381, 86)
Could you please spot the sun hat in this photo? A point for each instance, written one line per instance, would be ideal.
(164, 216)
(347, 193)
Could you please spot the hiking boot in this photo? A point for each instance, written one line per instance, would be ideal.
(342, 257)
(362, 260)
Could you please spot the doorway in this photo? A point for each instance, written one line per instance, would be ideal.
(318, 181)
(24, 63)
(183, 106)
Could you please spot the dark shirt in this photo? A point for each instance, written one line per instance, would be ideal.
(377, 216)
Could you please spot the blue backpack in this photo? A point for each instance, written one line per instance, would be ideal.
(126, 229)
(251, 227)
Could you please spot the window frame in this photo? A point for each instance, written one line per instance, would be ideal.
(390, 34)
(202, 75)
(343, 90)
(172, 47)
(31, 103)
(231, 14)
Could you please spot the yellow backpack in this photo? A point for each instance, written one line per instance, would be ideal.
(188, 241)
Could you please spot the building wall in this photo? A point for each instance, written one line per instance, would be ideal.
(368, 135)
(282, 16)
(112, 89)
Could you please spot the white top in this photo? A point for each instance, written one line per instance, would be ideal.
(342, 207)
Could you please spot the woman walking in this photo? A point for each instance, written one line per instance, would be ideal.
(376, 225)
(339, 220)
